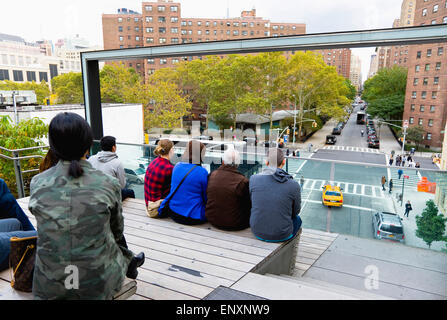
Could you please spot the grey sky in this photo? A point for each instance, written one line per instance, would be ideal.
(50, 19)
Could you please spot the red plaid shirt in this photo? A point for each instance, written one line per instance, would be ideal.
(157, 182)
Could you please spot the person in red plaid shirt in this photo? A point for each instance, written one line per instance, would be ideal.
(157, 182)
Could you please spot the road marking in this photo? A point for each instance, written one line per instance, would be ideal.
(301, 167)
(344, 205)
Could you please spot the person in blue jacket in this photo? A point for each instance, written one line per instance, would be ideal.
(186, 204)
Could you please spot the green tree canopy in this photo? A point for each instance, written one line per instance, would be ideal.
(68, 88)
(385, 93)
(415, 134)
(116, 82)
(42, 89)
(430, 225)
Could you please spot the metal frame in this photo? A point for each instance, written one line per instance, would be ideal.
(319, 41)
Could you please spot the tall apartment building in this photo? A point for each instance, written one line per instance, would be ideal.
(340, 58)
(161, 23)
(374, 66)
(426, 96)
(356, 72)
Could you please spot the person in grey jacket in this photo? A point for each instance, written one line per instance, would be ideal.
(107, 161)
(275, 215)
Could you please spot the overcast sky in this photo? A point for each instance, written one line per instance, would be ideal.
(50, 19)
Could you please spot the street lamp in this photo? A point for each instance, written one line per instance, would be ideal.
(294, 120)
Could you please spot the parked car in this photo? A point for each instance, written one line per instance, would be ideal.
(203, 138)
(374, 143)
(388, 226)
(331, 139)
(332, 196)
(250, 141)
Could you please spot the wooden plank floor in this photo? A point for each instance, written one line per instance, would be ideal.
(188, 262)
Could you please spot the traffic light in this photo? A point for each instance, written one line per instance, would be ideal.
(288, 131)
(314, 125)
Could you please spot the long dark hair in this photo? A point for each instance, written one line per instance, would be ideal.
(70, 136)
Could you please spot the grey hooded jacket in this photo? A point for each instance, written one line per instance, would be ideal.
(276, 200)
(108, 163)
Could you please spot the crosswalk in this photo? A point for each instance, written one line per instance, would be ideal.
(348, 188)
(347, 148)
(411, 182)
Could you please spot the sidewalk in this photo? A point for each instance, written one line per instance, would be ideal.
(318, 139)
(387, 141)
(418, 203)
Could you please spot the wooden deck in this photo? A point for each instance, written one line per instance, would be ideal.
(189, 262)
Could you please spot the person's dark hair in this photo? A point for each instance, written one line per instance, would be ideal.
(70, 137)
(49, 161)
(194, 152)
(275, 157)
(107, 143)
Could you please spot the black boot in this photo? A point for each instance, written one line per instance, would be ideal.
(135, 263)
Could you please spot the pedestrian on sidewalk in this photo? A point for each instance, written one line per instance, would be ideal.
(293, 153)
(383, 183)
(404, 159)
(302, 182)
(362, 132)
(409, 159)
(418, 165)
(398, 160)
(408, 208)
(287, 152)
(400, 172)
(391, 161)
(391, 185)
(412, 151)
(310, 147)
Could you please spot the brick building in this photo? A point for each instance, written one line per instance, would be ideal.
(426, 96)
(161, 23)
(340, 58)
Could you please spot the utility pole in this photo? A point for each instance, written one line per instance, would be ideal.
(16, 117)
(294, 121)
(405, 134)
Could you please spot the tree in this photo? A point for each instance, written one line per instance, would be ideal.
(352, 91)
(415, 134)
(116, 82)
(314, 85)
(430, 225)
(41, 90)
(25, 134)
(68, 88)
(385, 93)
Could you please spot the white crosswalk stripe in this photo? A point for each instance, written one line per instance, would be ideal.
(348, 148)
(409, 183)
(348, 188)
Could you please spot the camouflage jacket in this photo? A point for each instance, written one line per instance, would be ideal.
(79, 222)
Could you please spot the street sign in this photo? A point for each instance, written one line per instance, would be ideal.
(406, 124)
(406, 177)
(286, 138)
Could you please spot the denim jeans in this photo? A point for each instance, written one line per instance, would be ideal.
(10, 228)
(296, 227)
(10, 209)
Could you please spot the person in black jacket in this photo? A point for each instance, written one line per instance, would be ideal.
(408, 208)
(391, 185)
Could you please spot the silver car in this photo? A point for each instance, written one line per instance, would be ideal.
(388, 226)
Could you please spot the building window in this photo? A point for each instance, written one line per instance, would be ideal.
(162, 40)
(207, 32)
(428, 136)
(435, 8)
(235, 33)
(207, 24)
(148, 8)
(120, 29)
(422, 108)
(17, 75)
(149, 19)
(432, 108)
(430, 122)
(415, 81)
(434, 94)
(414, 94)
(174, 9)
(161, 19)
(444, 20)
(252, 24)
(424, 94)
(137, 38)
(183, 23)
(31, 76)
(163, 61)
(214, 23)
(121, 38)
(417, 68)
(162, 30)
(161, 8)
(418, 54)
(244, 33)
(174, 40)
(411, 120)
(175, 60)
(425, 82)
(428, 52)
(151, 61)
(440, 51)
(436, 80)
(189, 31)
(189, 23)
(149, 30)
(438, 66)
(427, 67)
(412, 107)
(136, 19)
(275, 28)
(4, 75)
(199, 32)
(149, 40)
(235, 24)
(137, 29)
(151, 71)
(421, 122)
(424, 12)
(43, 76)
(174, 19)
(174, 30)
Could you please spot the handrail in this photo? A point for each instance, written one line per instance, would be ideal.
(24, 149)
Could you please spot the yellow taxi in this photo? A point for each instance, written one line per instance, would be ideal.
(332, 196)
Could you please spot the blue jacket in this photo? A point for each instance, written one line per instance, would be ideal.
(190, 199)
(276, 201)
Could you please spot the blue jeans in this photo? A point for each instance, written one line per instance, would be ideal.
(10, 228)
(10, 209)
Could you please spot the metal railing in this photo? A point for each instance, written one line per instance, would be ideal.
(16, 158)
